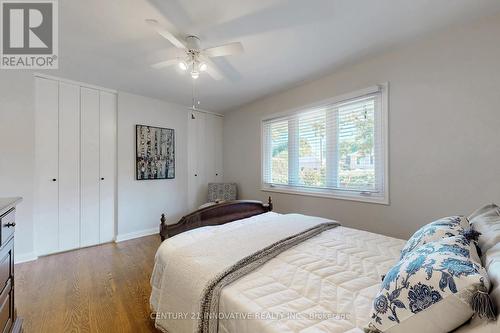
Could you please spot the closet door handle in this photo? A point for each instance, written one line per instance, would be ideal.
(196, 175)
(102, 178)
(53, 179)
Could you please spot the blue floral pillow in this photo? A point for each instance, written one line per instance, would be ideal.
(434, 231)
(437, 272)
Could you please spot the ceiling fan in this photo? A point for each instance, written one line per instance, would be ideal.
(193, 58)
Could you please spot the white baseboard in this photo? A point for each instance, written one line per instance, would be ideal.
(31, 256)
(137, 234)
(20, 258)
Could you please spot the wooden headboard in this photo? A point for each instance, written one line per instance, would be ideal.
(215, 215)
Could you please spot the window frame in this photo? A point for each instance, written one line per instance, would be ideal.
(353, 195)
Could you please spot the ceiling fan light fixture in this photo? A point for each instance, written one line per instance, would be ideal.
(203, 67)
(183, 65)
(195, 74)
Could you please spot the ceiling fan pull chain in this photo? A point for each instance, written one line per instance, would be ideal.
(194, 100)
(192, 94)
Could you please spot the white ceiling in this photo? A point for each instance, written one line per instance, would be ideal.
(107, 42)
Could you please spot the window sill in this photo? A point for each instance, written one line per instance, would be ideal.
(331, 195)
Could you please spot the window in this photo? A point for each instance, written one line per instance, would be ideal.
(335, 149)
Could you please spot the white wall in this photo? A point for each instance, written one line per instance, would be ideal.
(17, 155)
(141, 202)
(444, 135)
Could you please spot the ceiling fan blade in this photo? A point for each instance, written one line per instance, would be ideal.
(166, 63)
(224, 50)
(172, 39)
(166, 34)
(212, 69)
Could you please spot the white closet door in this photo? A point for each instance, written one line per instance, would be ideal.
(46, 157)
(90, 134)
(201, 157)
(197, 184)
(108, 167)
(69, 166)
(192, 141)
(209, 144)
(218, 142)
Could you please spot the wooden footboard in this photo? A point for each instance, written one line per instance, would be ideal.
(215, 215)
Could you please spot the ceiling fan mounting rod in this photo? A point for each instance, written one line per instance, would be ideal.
(193, 43)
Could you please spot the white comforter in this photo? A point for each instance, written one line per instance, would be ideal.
(325, 284)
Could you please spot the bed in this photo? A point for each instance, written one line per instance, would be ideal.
(324, 283)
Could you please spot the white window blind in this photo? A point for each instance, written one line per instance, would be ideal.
(337, 149)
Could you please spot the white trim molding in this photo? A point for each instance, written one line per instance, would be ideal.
(341, 195)
(205, 111)
(25, 257)
(77, 83)
(137, 234)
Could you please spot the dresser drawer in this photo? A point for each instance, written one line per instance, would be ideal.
(8, 222)
(5, 308)
(5, 269)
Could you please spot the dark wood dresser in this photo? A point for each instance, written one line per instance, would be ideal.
(8, 317)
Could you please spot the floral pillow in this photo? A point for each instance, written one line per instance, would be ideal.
(439, 277)
(444, 227)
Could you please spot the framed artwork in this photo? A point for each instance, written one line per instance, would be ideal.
(155, 152)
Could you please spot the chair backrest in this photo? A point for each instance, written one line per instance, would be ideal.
(222, 192)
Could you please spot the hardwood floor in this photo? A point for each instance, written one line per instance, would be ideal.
(98, 289)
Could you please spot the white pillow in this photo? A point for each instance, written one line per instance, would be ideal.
(430, 289)
(486, 220)
(208, 204)
(435, 231)
(492, 265)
